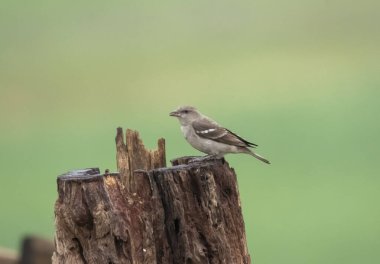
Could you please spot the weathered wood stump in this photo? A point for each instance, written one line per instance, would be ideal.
(188, 213)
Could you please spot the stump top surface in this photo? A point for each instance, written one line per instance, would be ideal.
(184, 163)
(84, 175)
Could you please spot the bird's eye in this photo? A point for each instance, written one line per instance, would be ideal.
(185, 111)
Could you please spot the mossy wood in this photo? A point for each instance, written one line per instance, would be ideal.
(147, 213)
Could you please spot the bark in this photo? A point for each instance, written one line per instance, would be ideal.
(188, 213)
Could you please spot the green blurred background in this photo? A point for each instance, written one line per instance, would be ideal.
(299, 78)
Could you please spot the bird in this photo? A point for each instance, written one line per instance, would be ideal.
(207, 136)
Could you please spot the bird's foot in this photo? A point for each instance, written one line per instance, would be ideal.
(205, 158)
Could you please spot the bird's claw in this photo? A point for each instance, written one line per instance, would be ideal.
(205, 158)
(194, 160)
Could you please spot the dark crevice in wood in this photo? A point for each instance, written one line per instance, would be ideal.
(176, 225)
(79, 247)
(118, 246)
(208, 251)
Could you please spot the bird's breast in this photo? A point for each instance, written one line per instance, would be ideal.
(186, 131)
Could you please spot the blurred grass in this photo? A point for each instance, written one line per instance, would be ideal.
(299, 78)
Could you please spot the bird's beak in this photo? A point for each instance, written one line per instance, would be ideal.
(174, 113)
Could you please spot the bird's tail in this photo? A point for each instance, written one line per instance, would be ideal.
(257, 156)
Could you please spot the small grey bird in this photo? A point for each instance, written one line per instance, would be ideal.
(209, 137)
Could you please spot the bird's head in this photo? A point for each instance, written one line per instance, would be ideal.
(186, 114)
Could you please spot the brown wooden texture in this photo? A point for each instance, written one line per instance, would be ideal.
(189, 213)
(133, 155)
(203, 218)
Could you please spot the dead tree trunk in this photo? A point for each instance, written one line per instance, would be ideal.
(188, 213)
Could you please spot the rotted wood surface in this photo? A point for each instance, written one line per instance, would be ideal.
(132, 155)
(188, 213)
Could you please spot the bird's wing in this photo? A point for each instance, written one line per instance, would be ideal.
(206, 128)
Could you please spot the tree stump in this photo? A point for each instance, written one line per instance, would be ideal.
(188, 213)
